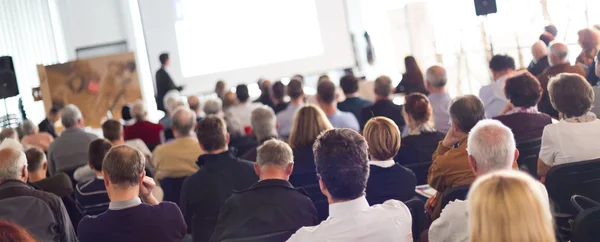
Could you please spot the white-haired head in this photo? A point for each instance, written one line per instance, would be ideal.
(263, 122)
(13, 163)
(170, 98)
(71, 116)
(491, 147)
(28, 127)
(213, 106)
(138, 110)
(558, 53)
(436, 77)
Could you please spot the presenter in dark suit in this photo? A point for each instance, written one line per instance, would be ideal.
(164, 83)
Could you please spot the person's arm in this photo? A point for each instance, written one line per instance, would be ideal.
(146, 188)
(548, 151)
(224, 216)
(51, 163)
(438, 231)
(68, 232)
(542, 170)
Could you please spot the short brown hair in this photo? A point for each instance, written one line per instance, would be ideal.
(7, 133)
(212, 133)
(417, 107)
(326, 91)
(295, 89)
(349, 84)
(97, 151)
(383, 137)
(35, 159)
(571, 94)
(278, 90)
(309, 122)
(112, 130)
(383, 86)
(523, 90)
(124, 165)
(466, 111)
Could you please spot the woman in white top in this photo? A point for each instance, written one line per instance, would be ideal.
(574, 138)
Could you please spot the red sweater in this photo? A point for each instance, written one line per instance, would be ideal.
(144, 130)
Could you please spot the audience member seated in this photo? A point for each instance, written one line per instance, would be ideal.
(387, 179)
(167, 134)
(422, 138)
(491, 148)
(204, 192)
(592, 76)
(309, 122)
(277, 96)
(272, 204)
(47, 125)
(243, 109)
(176, 160)
(589, 41)
(213, 106)
(127, 218)
(522, 117)
(37, 167)
(142, 129)
(540, 62)
(353, 103)
(32, 136)
(10, 232)
(70, 151)
(263, 127)
(229, 100)
(265, 96)
(220, 88)
(436, 79)
(170, 104)
(492, 95)
(509, 206)
(559, 63)
(574, 137)
(341, 158)
(327, 99)
(91, 195)
(45, 215)
(8, 133)
(450, 167)
(383, 106)
(596, 107)
(238, 140)
(126, 115)
(285, 118)
(412, 79)
(194, 103)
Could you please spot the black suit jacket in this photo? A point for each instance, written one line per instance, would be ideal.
(538, 67)
(385, 108)
(268, 206)
(164, 83)
(395, 182)
(47, 126)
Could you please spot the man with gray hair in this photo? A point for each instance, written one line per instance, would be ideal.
(70, 150)
(491, 148)
(142, 129)
(213, 106)
(540, 61)
(383, 106)
(176, 160)
(45, 215)
(264, 124)
(435, 83)
(559, 63)
(32, 136)
(272, 204)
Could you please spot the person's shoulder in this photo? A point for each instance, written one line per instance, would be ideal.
(392, 208)
(485, 89)
(308, 233)
(455, 209)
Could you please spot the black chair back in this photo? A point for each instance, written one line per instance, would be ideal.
(420, 169)
(529, 150)
(455, 193)
(273, 237)
(585, 227)
(578, 178)
(417, 211)
(172, 188)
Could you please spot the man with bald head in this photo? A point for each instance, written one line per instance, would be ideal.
(540, 61)
(176, 160)
(559, 63)
(435, 83)
(42, 214)
(194, 103)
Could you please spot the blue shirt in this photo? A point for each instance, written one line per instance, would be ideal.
(440, 104)
(493, 98)
(341, 119)
(285, 119)
(353, 105)
(91, 197)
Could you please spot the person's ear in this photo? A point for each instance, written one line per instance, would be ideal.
(90, 165)
(25, 174)
(322, 186)
(106, 179)
(337, 96)
(517, 153)
(257, 169)
(289, 169)
(227, 139)
(202, 147)
(473, 163)
(45, 166)
(142, 177)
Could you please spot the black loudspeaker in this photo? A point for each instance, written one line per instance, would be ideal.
(485, 7)
(8, 79)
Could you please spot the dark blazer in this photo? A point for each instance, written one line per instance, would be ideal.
(418, 148)
(305, 173)
(385, 108)
(539, 66)
(279, 107)
(268, 206)
(544, 105)
(353, 105)
(395, 182)
(204, 192)
(591, 75)
(47, 126)
(525, 126)
(164, 83)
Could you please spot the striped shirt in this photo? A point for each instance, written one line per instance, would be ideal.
(91, 196)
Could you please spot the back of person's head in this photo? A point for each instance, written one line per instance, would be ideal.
(10, 232)
(547, 38)
(194, 103)
(500, 63)
(523, 90)
(263, 122)
(12, 161)
(278, 91)
(341, 159)
(138, 110)
(411, 66)
(558, 53)
(551, 29)
(413, 73)
(589, 39)
(326, 92)
(309, 122)
(241, 91)
(126, 113)
(491, 147)
(54, 111)
(383, 86)
(220, 88)
(571, 94)
(35, 159)
(28, 127)
(383, 137)
(323, 78)
(97, 151)
(212, 133)
(418, 108)
(70, 116)
(298, 77)
(466, 111)
(539, 50)
(124, 166)
(8, 133)
(183, 120)
(229, 99)
(212, 106)
(349, 84)
(509, 206)
(170, 98)
(112, 130)
(163, 58)
(295, 89)
(436, 76)
(274, 153)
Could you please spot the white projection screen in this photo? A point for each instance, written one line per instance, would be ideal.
(242, 40)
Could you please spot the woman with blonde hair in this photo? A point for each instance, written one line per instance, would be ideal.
(509, 206)
(383, 137)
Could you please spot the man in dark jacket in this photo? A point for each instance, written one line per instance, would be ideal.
(47, 125)
(269, 206)
(164, 83)
(540, 58)
(204, 192)
(384, 106)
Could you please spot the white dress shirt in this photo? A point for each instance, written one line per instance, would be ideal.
(355, 221)
(383, 164)
(566, 142)
(493, 97)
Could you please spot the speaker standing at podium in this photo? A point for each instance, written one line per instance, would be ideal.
(164, 83)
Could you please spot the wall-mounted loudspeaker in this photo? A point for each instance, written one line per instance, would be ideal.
(485, 7)
(8, 79)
